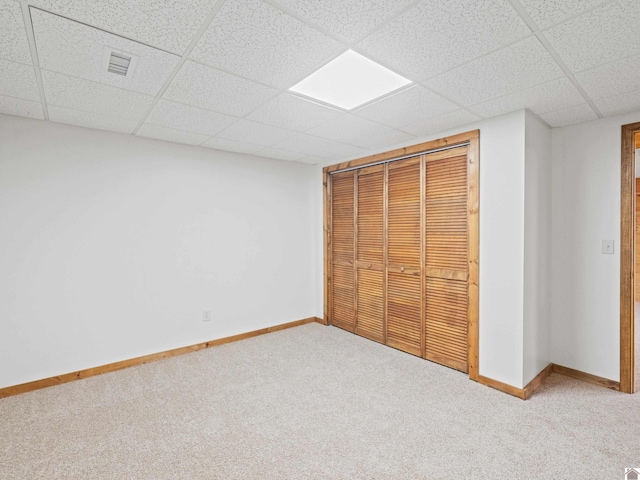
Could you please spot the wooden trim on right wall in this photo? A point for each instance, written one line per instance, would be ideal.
(627, 257)
(586, 377)
(526, 392)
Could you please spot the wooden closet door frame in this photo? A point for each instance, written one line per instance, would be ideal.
(627, 259)
(472, 139)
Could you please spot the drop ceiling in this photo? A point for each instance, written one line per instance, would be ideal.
(217, 73)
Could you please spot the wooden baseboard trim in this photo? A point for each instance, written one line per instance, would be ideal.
(522, 393)
(503, 387)
(538, 380)
(112, 367)
(321, 321)
(586, 377)
(526, 392)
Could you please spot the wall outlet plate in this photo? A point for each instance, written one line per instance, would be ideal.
(607, 247)
(206, 315)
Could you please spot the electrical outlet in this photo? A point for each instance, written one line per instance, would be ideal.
(607, 247)
(206, 315)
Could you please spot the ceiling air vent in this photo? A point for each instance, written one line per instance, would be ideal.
(119, 64)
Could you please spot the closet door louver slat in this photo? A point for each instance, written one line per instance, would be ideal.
(342, 250)
(370, 253)
(446, 263)
(403, 232)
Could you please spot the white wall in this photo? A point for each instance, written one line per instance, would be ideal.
(586, 210)
(502, 170)
(537, 248)
(502, 248)
(111, 246)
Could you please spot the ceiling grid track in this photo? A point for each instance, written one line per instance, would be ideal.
(517, 6)
(28, 26)
(203, 28)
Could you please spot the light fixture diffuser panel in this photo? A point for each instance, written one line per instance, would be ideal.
(349, 81)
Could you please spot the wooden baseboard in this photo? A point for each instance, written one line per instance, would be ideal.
(321, 321)
(539, 379)
(112, 367)
(503, 387)
(523, 393)
(586, 377)
(526, 392)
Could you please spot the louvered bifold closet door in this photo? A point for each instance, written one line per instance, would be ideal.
(446, 264)
(342, 250)
(404, 322)
(370, 253)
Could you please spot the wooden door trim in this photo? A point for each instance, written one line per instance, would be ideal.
(627, 257)
(355, 251)
(385, 251)
(472, 139)
(473, 232)
(423, 280)
(326, 221)
(418, 149)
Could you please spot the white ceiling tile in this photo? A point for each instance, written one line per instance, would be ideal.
(441, 123)
(252, 39)
(360, 132)
(619, 104)
(92, 97)
(280, 154)
(548, 12)
(320, 147)
(20, 107)
(211, 89)
(74, 49)
(231, 145)
(294, 113)
(167, 24)
(608, 33)
(351, 19)
(17, 80)
(436, 36)
(184, 117)
(14, 45)
(555, 95)
(407, 107)
(569, 116)
(170, 134)
(617, 77)
(90, 120)
(255, 133)
(522, 65)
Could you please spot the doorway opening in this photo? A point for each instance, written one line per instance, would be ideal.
(630, 220)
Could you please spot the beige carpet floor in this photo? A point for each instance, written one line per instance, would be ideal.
(313, 402)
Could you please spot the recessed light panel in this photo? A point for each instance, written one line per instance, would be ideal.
(349, 81)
